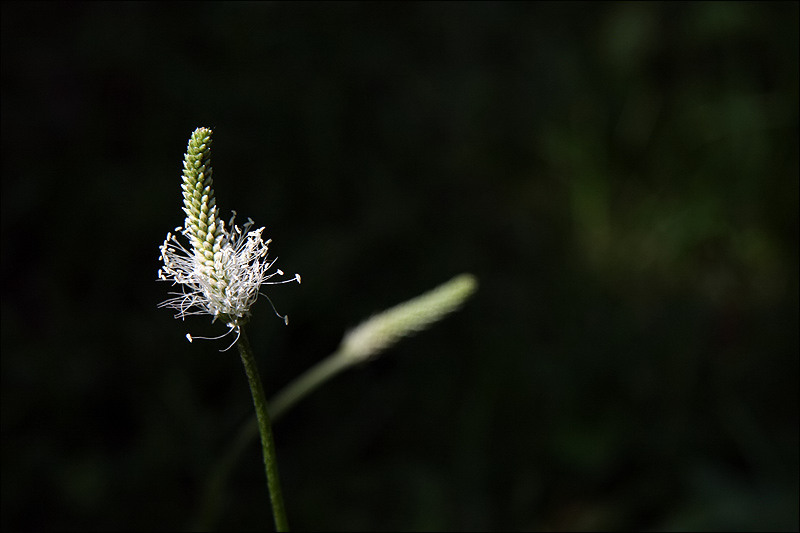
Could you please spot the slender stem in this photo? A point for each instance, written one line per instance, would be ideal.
(307, 382)
(279, 404)
(265, 428)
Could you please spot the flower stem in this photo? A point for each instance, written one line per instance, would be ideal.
(265, 428)
(307, 382)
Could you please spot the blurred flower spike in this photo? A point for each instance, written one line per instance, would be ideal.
(376, 334)
(221, 272)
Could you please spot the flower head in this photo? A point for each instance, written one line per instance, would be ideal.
(222, 270)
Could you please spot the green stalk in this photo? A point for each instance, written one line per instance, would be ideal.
(265, 429)
(214, 491)
(307, 382)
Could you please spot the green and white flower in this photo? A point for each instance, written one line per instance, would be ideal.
(221, 273)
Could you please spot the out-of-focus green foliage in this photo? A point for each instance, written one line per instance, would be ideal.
(622, 178)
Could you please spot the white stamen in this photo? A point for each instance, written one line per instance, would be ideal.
(225, 284)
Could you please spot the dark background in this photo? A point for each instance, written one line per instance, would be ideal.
(622, 179)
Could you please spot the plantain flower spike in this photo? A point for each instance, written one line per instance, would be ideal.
(221, 272)
(384, 329)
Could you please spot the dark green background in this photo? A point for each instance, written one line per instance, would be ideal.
(622, 179)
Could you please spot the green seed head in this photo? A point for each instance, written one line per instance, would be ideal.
(384, 329)
(199, 203)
